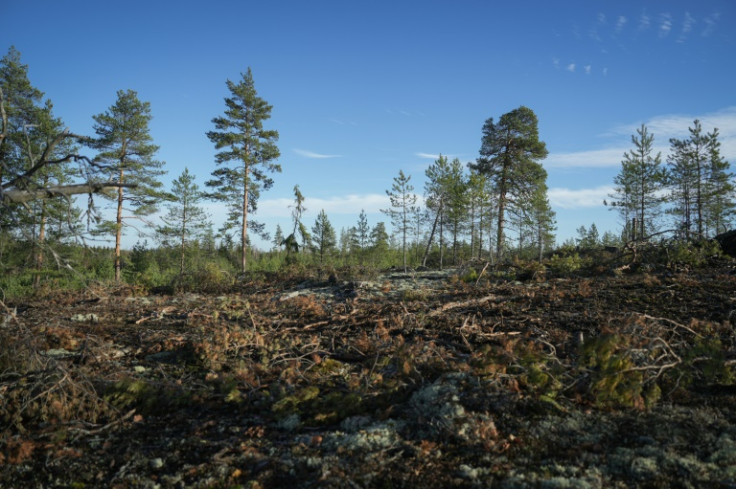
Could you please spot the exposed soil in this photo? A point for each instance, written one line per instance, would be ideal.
(406, 381)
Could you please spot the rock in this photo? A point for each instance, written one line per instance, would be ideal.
(727, 241)
(60, 353)
(85, 318)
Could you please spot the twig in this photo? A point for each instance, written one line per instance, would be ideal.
(482, 272)
(473, 302)
(670, 321)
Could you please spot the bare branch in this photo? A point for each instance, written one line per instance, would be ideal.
(16, 196)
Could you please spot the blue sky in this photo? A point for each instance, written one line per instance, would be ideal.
(361, 90)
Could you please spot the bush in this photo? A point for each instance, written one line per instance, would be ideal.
(566, 265)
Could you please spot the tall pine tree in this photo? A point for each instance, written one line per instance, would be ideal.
(126, 149)
(248, 152)
(509, 155)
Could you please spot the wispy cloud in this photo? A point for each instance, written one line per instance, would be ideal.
(597, 158)
(710, 24)
(588, 68)
(341, 122)
(566, 198)
(571, 68)
(428, 156)
(313, 155)
(669, 126)
(350, 204)
(621, 23)
(665, 24)
(687, 27)
(663, 128)
(405, 113)
(556, 63)
(644, 21)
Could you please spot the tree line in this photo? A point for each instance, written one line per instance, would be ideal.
(491, 208)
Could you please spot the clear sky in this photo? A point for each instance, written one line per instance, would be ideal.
(362, 89)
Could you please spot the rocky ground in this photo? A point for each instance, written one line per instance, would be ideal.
(429, 379)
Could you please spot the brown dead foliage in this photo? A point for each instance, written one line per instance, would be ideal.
(463, 387)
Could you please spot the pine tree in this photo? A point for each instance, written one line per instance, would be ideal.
(126, 148)
(379, 241)
(186, 220)
(323, 237)
(249, 151)
(21, 100)
(639, 184)
(30, 137)
(360, 235)
(721, 206)
(278, 238)
(543, 221)
(509, 156)
(402, 200)
(699, 180)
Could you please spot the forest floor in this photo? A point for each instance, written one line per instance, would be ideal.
(411, 380)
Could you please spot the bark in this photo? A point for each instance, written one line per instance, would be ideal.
(244, 233)
(431, 234)
(119, 231)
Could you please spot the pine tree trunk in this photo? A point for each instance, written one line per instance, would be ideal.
(41, 239)
(183, 240)
(499, 228)
(119, 230)
(244, 233)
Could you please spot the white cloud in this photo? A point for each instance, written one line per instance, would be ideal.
(587, 69)
(345, 204)
(598, 158)
(710, 24)
(343, 123)
(428, 156)
(665, 24)
(311, 154)
(571, 67)
(644, 21)
(620, 23)
(663, 128)
(580, 198)
(556, 63)
(687, 27)
(676, 126)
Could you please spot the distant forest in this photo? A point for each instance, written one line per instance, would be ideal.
(495, 208)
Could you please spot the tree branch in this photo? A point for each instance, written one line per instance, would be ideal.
(16, 196)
